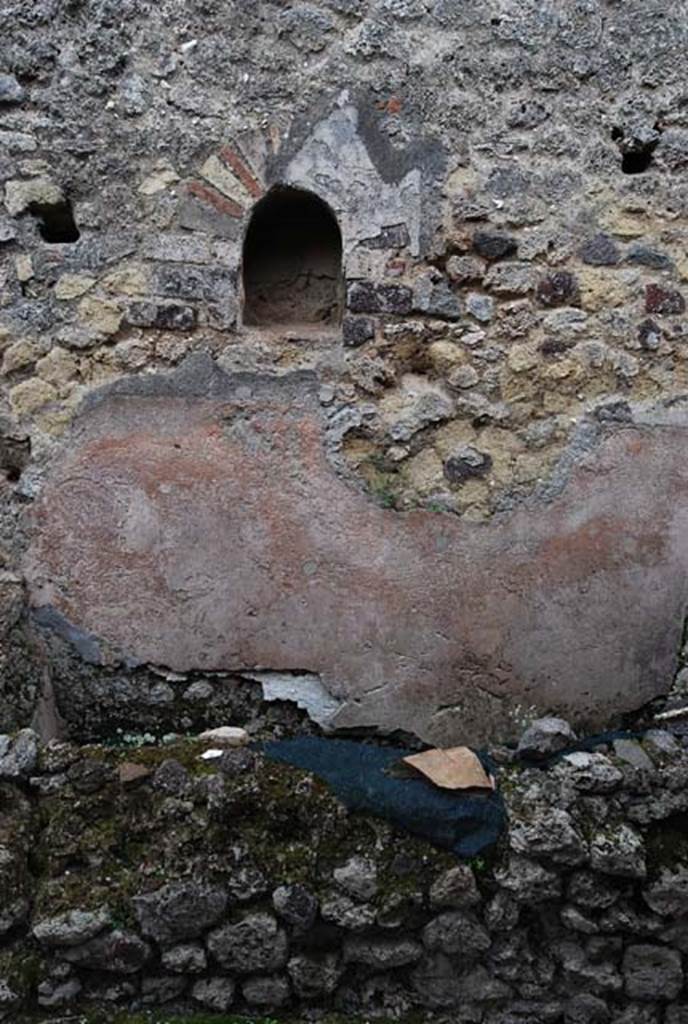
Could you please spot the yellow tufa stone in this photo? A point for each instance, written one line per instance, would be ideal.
(30, 395)
(220, 176)
(474, 496)
(445, 356)
(58, 367)
(71, 286)
(424, 472)
(23, 266)
(18, 356)
(625, 225)
(522, 358)
(600, 289)
(20, 195)
(102, 315)
(54, 420)
(454, 434)
(563, 369)
(158, 181)
(131, 279)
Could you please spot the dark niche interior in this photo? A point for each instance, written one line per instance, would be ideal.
(292, 265)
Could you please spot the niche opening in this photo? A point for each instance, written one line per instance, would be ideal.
(292, 266)
(55, 221)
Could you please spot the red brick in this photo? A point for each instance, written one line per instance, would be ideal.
(232, 159)
(214, 198)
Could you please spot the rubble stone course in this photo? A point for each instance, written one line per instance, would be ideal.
(142, 898)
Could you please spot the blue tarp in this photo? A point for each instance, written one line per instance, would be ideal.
(465, 823)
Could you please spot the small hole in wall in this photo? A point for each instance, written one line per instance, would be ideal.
(292, 266)
(636, 163)
(55, 221)
(636, 155)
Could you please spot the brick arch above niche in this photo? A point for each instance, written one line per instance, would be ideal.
(378, 203)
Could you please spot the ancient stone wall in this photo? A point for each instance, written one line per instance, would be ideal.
(147, 876)
(507, 381)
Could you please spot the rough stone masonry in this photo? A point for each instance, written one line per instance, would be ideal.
(461, 505)
(147, 877)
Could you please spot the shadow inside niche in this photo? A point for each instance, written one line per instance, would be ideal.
(292, 266)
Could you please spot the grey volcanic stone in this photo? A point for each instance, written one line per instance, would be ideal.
(171, 777)
(71, 928)
(168, 316)
(597, 975)
(119, 951)
(8, 999)
(366, 297)
(214, 993)
(18, 757)
(88, 775)
(546, 736)
(668, 896)
(438, 983)
(632, 753)
(256, 943)
(549, 833)
(480, 306)
(306, 27)
(296, 905)
(600, 251)
(156, 989)
(356, 330)
(270, 991)
(586, 1009)
(466, 461)
(435, 981)
(574, 920)
(12, 913)
(528, 881)
(455, 888)
(592, 891)
(58, 993)
(347, 913)
(180, 910)
(456, 932)
(494, 246)
(618, 851)
(384, 953)
(11, 92)
(502, 913)
(315, 975)
(8, 230)
(652, 972)
(661, 742)
(358, 878)
(592, 773)
(189, 958)
(436, 298)
(648, 257)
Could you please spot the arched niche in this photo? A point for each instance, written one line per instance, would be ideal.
(292, 261)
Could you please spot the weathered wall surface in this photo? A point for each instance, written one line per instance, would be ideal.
(508, 179)
(147, 877)
(197, 524)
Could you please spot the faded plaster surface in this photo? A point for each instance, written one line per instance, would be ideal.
(194, 521)
(335, 163)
